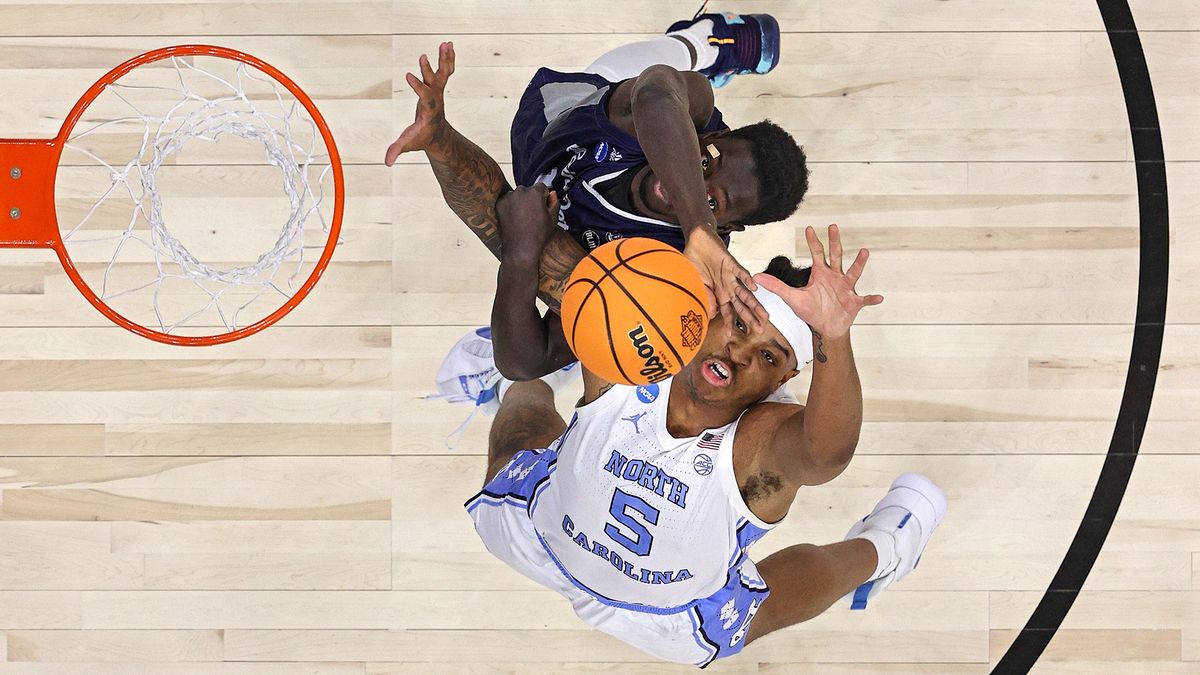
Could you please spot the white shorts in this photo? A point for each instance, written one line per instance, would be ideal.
(696, 635)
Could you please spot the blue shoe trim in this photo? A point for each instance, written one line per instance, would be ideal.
(769, 28)
(731, 18)
(860, 596)
(721, 80)
(904, 520)
(485, 396)
(484, 332)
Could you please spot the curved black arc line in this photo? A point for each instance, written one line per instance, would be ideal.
(1144, 353)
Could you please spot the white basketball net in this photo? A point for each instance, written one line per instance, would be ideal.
(137, 258)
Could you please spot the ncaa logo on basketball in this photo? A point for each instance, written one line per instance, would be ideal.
(703, 464)
(653, 367)
(647, 393)
(693, 329)
(601, 151)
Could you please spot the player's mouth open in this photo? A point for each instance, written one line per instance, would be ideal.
(716, 372)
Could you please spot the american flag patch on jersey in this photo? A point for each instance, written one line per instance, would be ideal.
(710, 441)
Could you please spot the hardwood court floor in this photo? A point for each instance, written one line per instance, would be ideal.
(287, 504)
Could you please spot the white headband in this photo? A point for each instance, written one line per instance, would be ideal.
(795, 331)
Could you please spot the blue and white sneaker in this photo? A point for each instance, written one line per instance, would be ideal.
(907, 516)
(746, 43)
(468, 374)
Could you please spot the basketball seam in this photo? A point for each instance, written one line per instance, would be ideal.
(612, 348)
(665, 281)
(637, 304)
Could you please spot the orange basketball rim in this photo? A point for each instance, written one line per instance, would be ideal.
(28, 212)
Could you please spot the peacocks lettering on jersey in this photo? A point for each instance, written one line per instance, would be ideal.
(564, 193)
(641, 574)
(648, 476)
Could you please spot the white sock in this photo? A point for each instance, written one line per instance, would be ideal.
(630, 60)
(698, 35)
(885, 549)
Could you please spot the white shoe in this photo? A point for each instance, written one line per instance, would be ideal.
(907, 516)
(468, 374)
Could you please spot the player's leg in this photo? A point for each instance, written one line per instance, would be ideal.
(805, 580)
(879, 550)
(719, 45)
(684, 49)
(526, 420)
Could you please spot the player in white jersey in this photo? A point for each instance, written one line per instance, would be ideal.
(641, 509)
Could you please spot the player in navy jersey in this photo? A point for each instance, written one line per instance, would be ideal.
(634, 146)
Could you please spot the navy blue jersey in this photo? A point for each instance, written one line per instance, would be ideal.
(561, 136)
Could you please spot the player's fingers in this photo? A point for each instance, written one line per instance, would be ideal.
(770, 283)
(814, 247)
(835, 248)
(394, 150)
(745, 278)
(753, 311)
(448, 59)
(856, 269)
(872, 300)
(741, 309)
(426, 71)
(416, 85)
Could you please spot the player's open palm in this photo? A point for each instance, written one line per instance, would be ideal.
(430, 89)
(829, 303)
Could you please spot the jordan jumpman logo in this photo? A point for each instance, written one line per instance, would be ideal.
(635, 419)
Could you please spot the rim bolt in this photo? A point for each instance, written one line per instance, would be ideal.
(15, 172)
(14, 213)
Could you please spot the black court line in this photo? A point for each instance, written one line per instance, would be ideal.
(1145, 352)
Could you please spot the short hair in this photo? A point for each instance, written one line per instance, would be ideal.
(782, 268)
(782, 173)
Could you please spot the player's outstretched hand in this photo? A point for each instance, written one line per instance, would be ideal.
(730, 286)
(829, 303)
(527, 216)
(431, 97)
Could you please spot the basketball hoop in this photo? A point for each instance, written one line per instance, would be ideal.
(165, 207)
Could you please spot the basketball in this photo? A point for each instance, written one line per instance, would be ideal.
(634, 311)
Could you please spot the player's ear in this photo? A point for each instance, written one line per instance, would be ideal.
(787, 377)
(712, 136)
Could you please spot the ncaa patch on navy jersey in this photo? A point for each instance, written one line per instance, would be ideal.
(601, 153)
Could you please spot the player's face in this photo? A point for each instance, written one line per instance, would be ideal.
(729, 176)
(740, 369)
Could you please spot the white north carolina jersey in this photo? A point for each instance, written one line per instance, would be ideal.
(636, 517)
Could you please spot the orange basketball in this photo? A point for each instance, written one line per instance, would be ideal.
(634, 311)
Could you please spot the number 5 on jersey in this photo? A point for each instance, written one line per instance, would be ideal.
(622, 503)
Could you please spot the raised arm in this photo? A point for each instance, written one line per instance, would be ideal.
(664, 108)
(528, 345)
(471, 181)
(814, 444)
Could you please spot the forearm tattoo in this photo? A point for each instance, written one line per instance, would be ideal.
(559, 258)
(819, 352)
(471, 183)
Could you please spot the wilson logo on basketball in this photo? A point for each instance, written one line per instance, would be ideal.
(653, 367)
(693, 329)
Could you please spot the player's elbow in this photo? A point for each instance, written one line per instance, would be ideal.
(828, 463)
(659, 83)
